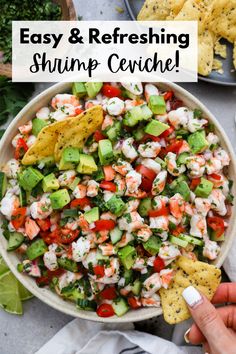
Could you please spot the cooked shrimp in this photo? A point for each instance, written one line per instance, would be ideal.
(101, 236)
(150, 90)
(107, 122)
(212, 139)
(159, 183)
(50, 260)
(122, 167)
(195, 124)
(130, 222)
(133, 180)
(32, 268)
(166, 276)
(198, 225)
(217, 200)
(26, 128)
(31, 140)
(80, 249)
(139, 194)
(107, 249)
(83, 224)
(92, 188)
(80, 191)
(159, 222)
(152, 164)
(126, 290)
(213, 165)
(222, 156)
(139, 264)
(11, 168)
(31, 228)
(196, 165)
(108, 216)
(184, 147)
(151, 285)
(177, 205)
(172, 167)
(61, 99)
(211, 249)
(136, 88)
(125, 239)
(128, 149)
(202, 205)
(41, 209)
(115, 106)
(8, 204)
(132, 205)
(144, 233)
(180, 117)
(160, 201)
(153, 301)
(168, 252)
(120, 184)
(66, 178)
(150, 149)
(43, 113)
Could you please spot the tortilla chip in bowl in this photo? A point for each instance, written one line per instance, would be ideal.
(47, 295)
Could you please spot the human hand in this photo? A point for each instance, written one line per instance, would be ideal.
(214, 328)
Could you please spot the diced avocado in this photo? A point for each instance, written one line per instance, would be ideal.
(133, 116)
(182, 158)
(120, 307)
(3, 184)
(138, 133)
(70, 157)
(204, 189)
(216, 238)
(29, 178)
(136, 287)
(178, 180)
(93, 88)
(128, 275)
(59, 198)
(74, 183)
(105, 152)
(183, 189)
(50, 183)
(71, 292)
(114, 132)
(115, 235)
(146, 112)
(47, 161)
(36, 249)
(23, 197)
(127, 256)
(15, 240)
(178, 241)
(87, 165)
(92, 215)
(116, 205)
(197, 141)
(144, 206)
(37, 125)
(157, 104)
(99, 174)
(156, 128)
(68, 264)
(191, 239)
(87, 305)
(152, 245)
(79, 89)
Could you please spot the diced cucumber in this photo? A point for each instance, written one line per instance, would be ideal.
(100, 256)
(75, 183)
(146, 112)
(182, 158)
(36, 249)
(114, 132)
(116, 205)
(23, 197)
(215, 237)
(138, 133)
(86, 305)
(152, 245)
(70, 213)
(128, 275)
(191, 239)
(133, 116)
(136, 287)
(144, 206)
(115, 235)
(161, 162)
(68, 264)
(120, 307)
(178, 241)
(178, 180)
(3, 184)
(98, 175)
(72, 293)
(15, 240)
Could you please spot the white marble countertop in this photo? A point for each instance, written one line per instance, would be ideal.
(25, 334)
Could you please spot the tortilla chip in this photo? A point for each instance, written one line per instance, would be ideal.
(203, 276)
(217, 66)
(205, 53)
(222, 20)
(78, 129)
(234, 55)
(220, 49)
(189, 12)
(44, 145)
(155, 10)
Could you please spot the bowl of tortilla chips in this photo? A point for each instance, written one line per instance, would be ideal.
(206, 277)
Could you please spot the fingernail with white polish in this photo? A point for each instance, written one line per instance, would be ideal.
(186, 336)
(192, 296)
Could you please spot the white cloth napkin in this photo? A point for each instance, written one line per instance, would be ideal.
(85, 337)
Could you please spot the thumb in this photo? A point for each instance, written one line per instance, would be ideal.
(207, 319)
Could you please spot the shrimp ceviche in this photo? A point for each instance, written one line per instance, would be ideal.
(104, 225)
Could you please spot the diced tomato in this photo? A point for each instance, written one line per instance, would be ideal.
(99, 270)
(108, 186)
(48, 276)
(158, 264)
(109, 173)
(98, 136)
(109, 293)
(168, 95)
(194, 183)
(111, 91)
(148, 177)
(21, 148)
(215, 176)
(164, 211)
(167, 132)
(44, 224)
(78, 111)
(178, 230)
(105, 310)
(216, 223)
(51, 237)
(80, 203)
(101, 225)
(68, 236)
(18, 217)
(175, 103)
(174, 146)
(133, 303)
(149, 137)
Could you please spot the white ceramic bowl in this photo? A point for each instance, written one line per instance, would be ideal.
(11, 258)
